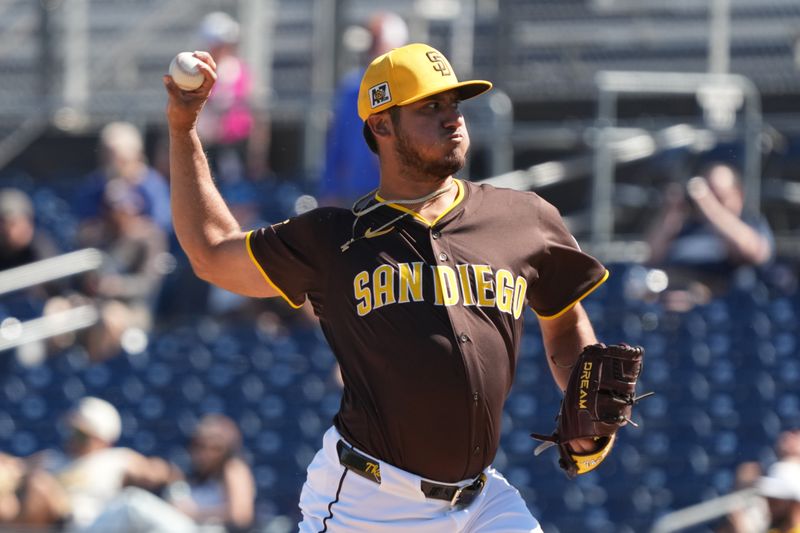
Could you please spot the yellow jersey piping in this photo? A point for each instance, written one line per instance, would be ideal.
(264, 274)
(456, 201)
(578, 299)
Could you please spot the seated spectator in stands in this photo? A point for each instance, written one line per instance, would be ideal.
(30, 498)
(121, 156)
(781, 488)
(351, 169)
(20, 241)
(127, 286)
(703, 236)
(93, 475)
(787, 448)
(219, 489)
(755, 516)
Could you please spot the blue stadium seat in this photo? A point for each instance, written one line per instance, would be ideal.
(211, 403)
(192, 387)
(312, 388)
(522, 405)
(249, 422)
(272, 407)
(151, 407)
(252, 387)
(266, 478)
(24, 443)
(782, 313)
(158, 375)
(145, 442)
(33, 408)
(787, 374)
(788, 408)
(528, 375)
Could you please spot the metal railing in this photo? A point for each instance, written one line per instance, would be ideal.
(705, 511)
(14, 333)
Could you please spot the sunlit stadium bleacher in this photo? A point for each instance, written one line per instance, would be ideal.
(725, 372)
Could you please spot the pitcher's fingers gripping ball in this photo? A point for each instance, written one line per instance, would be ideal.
(191, 72)
(185, 71)
(183, 106)
(600, 396)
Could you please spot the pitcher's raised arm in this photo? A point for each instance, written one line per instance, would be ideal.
(206, 229)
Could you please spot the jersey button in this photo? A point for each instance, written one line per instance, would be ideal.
(436, 234)
(442, 256)
(463, 337)
(476, 450)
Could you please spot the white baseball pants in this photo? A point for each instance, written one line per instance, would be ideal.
(336, 500)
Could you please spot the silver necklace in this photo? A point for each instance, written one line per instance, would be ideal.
(359, 211)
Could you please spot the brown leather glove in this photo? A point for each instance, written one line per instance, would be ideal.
(600, 395)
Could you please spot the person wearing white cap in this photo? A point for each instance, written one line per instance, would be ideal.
(781, 487)
(96, 472)
(235, 127)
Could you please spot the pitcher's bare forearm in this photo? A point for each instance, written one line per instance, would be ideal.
(201, 218)
(564, 338)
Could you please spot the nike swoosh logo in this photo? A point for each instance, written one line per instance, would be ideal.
(370, 234)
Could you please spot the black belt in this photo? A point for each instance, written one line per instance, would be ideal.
(370, 469)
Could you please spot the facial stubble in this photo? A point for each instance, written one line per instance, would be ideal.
(412, 158)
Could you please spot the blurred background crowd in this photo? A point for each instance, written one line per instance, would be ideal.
(667, 133)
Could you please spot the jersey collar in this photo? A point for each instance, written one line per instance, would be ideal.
(456, 201)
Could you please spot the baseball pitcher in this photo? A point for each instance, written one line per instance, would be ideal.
(420, 290)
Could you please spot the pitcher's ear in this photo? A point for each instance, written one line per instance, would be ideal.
(380, 124)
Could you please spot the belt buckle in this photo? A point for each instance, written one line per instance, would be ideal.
(464, 496)
(456, 496)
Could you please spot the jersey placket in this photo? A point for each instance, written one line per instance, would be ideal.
(456, 313)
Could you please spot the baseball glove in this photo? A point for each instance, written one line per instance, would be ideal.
(600, 395)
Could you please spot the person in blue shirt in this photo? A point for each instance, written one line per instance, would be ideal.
(704, 234)
(351, 169)
(121, 155)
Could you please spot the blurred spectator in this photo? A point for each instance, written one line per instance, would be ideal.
(755, 517)
(233, 128)
(219, 492)
(127, 286)
(703, 235)
(351, 169)
(20, 241)
(121, 156)
(93, 475)
(781, 488)
(30, 498)
(752, 518)
(787, 447)
(133, 245)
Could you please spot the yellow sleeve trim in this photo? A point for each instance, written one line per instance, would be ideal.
(456, 201)
(587, 463)
(264, 274)
(581, 297)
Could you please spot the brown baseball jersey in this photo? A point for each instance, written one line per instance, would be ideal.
(425, 319)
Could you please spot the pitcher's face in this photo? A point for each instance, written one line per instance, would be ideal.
(431, 136)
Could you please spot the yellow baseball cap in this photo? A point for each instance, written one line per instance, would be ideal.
(408, 74)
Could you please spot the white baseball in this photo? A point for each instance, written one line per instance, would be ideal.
(185, 72)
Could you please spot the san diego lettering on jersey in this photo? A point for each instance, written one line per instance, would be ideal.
(466, 284)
